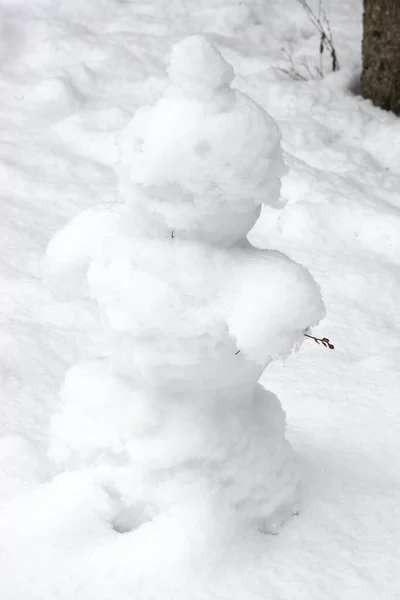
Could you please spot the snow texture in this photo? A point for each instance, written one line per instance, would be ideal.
(72, 75)
(205, 155)
(191, 321)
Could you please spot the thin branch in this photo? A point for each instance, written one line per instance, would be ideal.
(305, 65)
(293, 72)
(322, 25)
(324, 341)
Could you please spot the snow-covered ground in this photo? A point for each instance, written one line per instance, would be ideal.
(73, 72)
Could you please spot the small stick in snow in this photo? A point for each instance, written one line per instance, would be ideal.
(324, 341)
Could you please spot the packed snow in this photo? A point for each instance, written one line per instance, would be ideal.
(206, 156)
(191, 323)
(142, 138)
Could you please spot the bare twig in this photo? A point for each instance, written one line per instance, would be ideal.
(321, 24)
(300, 70)
(295, 69)
(306, 66)
(324, 341)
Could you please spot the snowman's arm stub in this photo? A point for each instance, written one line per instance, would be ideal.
(69, 252)
(273, 301)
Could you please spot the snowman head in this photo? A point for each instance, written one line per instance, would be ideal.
(199, 70)
(205, 155)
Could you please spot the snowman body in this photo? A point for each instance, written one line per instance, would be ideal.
(193, 312)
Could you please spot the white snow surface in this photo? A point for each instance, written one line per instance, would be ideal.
(72, 76)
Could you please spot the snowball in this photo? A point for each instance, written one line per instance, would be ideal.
(100, 415)
(205, 163)
(177, 312)
(273, 301)
(196, 65)
(152, 449)
(70, 250)
(163, 305)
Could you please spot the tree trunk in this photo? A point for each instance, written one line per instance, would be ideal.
(380, 79)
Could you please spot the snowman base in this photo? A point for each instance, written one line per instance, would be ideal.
(217, 452)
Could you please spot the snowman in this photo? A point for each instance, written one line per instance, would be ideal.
(174, 415)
